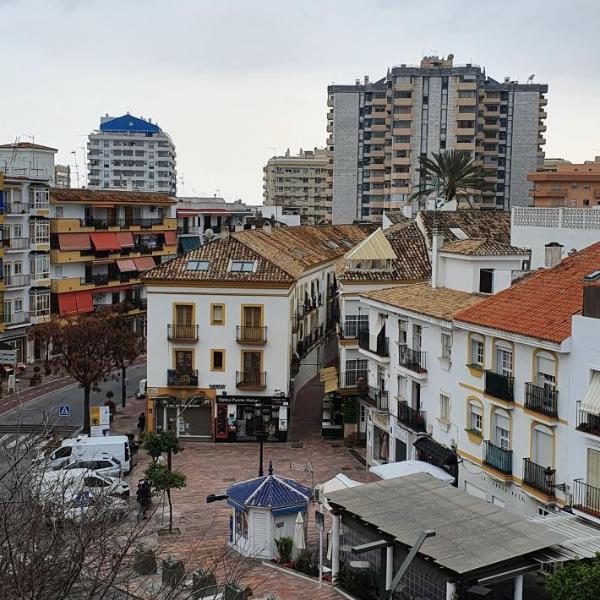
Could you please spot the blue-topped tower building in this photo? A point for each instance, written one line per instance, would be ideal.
(131, 153)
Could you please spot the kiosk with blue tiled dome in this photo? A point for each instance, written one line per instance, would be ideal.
(263, 510)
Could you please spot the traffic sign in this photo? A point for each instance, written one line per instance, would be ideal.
(64, 410)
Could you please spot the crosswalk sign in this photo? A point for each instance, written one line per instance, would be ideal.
(64, 410)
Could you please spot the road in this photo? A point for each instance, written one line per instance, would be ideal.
(45, 407)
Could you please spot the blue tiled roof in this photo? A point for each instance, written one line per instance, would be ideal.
(269, 492)
(129, 123)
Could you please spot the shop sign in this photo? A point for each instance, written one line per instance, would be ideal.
(217, 386)
(252, 400)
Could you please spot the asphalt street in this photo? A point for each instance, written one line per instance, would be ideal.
(45, 408)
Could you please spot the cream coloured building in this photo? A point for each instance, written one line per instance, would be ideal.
(300, 183)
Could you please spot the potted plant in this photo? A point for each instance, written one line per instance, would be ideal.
(284, 549)
(172, 571)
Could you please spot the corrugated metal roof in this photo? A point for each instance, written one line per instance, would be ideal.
(375, 247)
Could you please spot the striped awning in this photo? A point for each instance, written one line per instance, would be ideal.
(591, 402)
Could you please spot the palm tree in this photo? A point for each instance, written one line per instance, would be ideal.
(450, 174)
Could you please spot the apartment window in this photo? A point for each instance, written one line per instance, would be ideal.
(446, 344)
(402, 332)
(184, 314)
(217, 360)
(417, 337)
(40, 303)
(486, 281)
(545, 376)
(18, 267)
(18, 304)
(475, 417)
(197, 265)
(39, 232)
(504, 359)
(501, 429)
(241, 266)
(217, 314)
(542, 445)
(184, 362)
(573, 186)
(444, 408)
(477, 350)
(40, 266)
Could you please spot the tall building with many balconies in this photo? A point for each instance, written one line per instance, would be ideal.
(132, 154)
(300, 183)
(379, 130)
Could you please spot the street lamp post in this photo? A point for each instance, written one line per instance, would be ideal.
(261, 436)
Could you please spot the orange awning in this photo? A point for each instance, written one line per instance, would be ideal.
(170, 238)
(105, 241)
(144, 263)
(67, 305)
(103, 205)
(125, 239)
(126, 265)
(84, 302)
(74, 241)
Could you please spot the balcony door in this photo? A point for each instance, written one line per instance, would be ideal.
(251, 365)
(252, 316)
(504, 361)
(593, 468)
(546, 369)
(417, 337)
(416, 395)
(542, 446)
(184, 315)
(184, 362)
(501, 430)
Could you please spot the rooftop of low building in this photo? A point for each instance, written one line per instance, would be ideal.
(106, 197)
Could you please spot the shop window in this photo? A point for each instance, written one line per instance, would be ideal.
(217, 314)
(217, 360)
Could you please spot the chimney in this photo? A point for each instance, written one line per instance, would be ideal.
(437, 241)
(553, 254)
(224, 233)
(366, 80)
(267, 228)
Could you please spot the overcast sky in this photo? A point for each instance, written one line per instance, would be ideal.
(230, 80)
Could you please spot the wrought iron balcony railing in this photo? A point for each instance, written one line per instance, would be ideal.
(415, 419)
(498, 458)
(182, 333)
(415, 360)
(182, 379)
(538, 477)
(541, 399)
(250, 334)
(251, 379)
(499, 385)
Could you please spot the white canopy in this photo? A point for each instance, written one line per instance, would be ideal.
(591, 402)
(339, 482)
(410, 467)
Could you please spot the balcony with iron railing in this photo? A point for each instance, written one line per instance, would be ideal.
(15, 243)
(16, 318)
(414, 360)
(498, 458)
(126, 223)
(586, 498)
(354, 380)
(543, 400)
(382, 344)
(250, 334)
(251, 380)
(182, 332)
(411, 417)
(17, 208)
(539, 478)
(351, 329)
(500, 386)
(15, 281)
(177, 378)
(587, 422)
(378, 398)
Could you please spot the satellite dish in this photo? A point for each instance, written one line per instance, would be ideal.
(209, 233)
(530, 78)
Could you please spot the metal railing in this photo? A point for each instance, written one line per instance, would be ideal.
(353, 379)
(185, 379)
(251, 379)
(415, 360)
(538, 477)
(586, 498)
(16, 243)
(182, 332)
(499, 385)
(587, 422)
(144, 222)
(11, 281)
(250, 334)
(498, 458)
(541, 399)
(16, 318)
(17, 208)
(415, 419)
(363, 339)
(351, 329)
(379, 398)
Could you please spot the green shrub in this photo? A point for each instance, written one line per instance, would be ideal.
(284, 549)
(307, 563)
(576, 580)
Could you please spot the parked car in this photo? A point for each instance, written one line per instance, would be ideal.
(106, 465)
(57, 457)
(84, 501)
(67, 482)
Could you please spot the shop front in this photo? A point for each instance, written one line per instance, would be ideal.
(247, 418)
(190, 418)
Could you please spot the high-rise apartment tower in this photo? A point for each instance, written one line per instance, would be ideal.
(378, 131)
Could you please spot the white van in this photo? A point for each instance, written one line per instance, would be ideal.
(95, 448)
(59, 457)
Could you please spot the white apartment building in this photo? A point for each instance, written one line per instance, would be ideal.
(133, 154)
(229, 323)
(28, 171)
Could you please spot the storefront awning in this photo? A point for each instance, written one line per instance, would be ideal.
(125, 239)
(591, 402)
(170, 238)
(84, 302)
(440, 454)
(67, 305)
(74, 241)
(329, 377)
(127, 265)
(144, 263)
(189, 243)
(105, 241)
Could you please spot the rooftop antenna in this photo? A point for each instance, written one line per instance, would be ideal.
(74, 153)
(84, 165)
(530, 78)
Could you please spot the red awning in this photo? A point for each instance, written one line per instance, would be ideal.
(170, 238)
(74, 241)
(105, 241)
(125, 239)
(144, 263)
(67, 305)
(84, 302)
(126, 265)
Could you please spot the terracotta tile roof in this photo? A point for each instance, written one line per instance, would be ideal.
(541, 305)
(85, 196)
(219, 253)
(27, 146)
(481, 224)
(296, 249)
(396, 216)
(421, 298)
(412, 264)
(482, 247)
